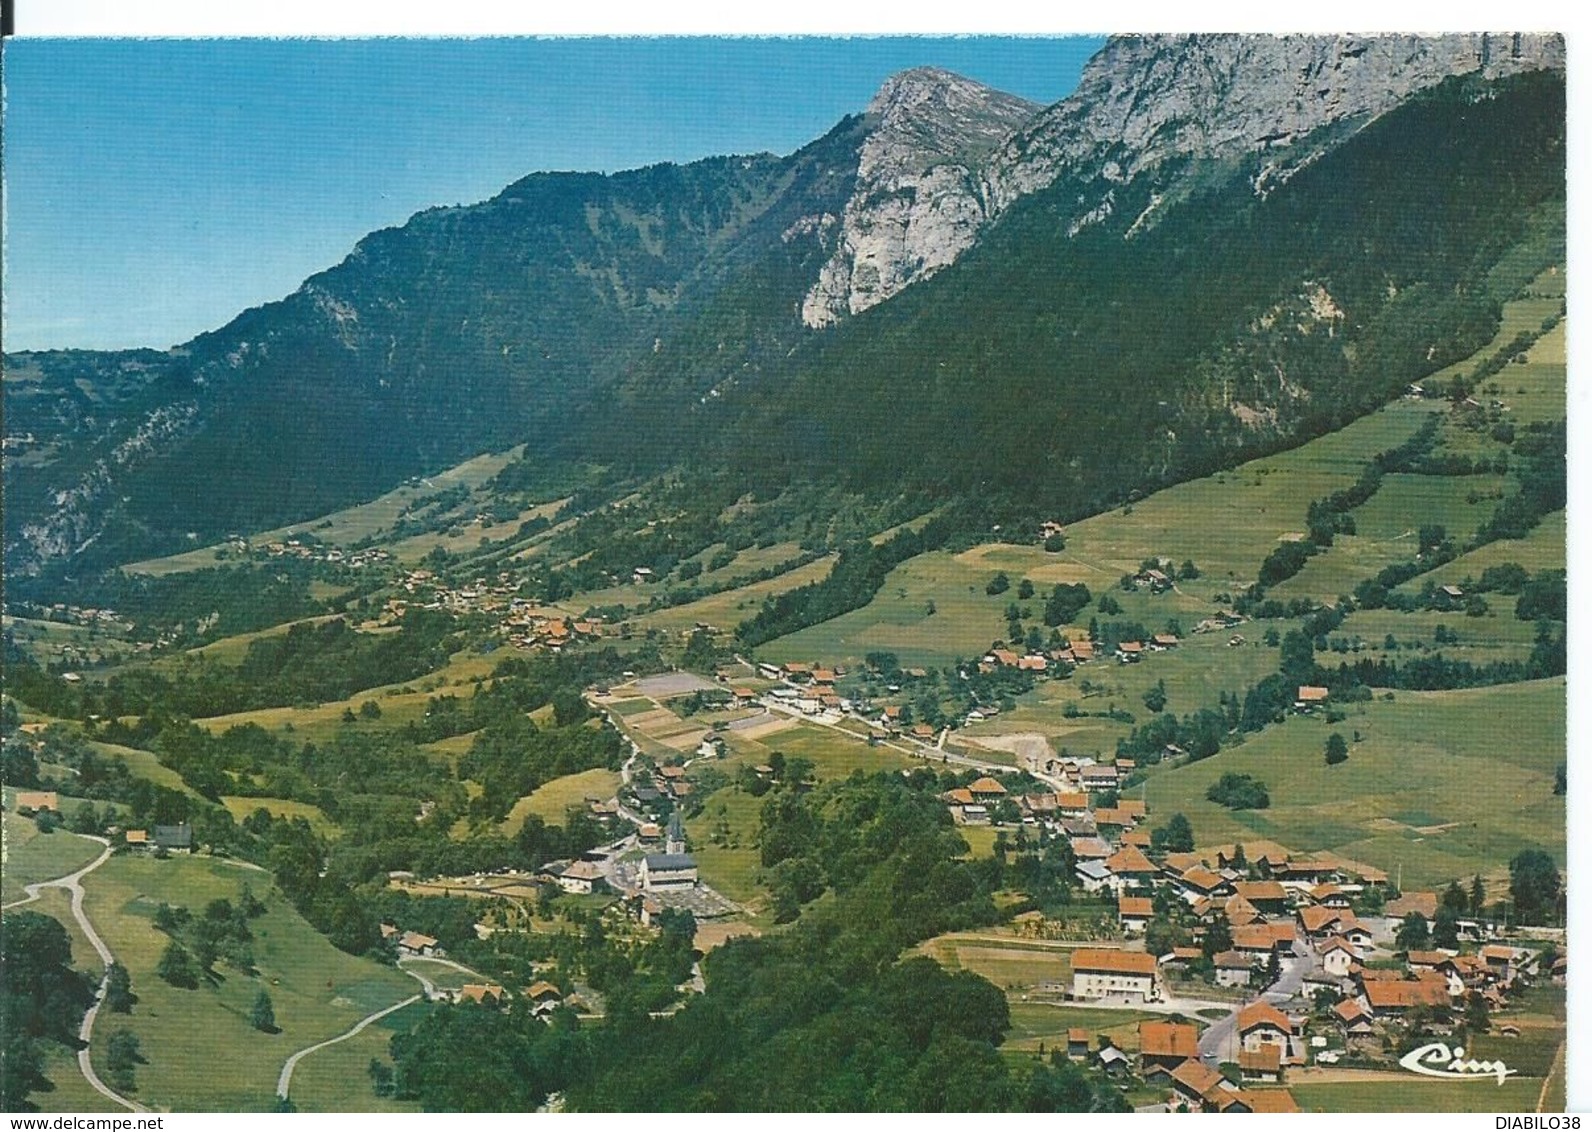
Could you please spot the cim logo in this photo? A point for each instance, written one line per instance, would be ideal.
(1437, 1060)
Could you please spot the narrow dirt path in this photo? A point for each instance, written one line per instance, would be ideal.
(73, 884)
(429, 990)
(286, 1078)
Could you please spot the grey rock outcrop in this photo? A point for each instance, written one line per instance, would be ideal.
(949, 155)
(919, 200)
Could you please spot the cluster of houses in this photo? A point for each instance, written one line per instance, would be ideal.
(1169, 1056)
(542, 996)
(315, 552)
(73, 615)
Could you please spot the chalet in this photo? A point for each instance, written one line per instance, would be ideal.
(1134, 808)
(798, 671)
(1130, 652)
(667, 872)
(976, 815)
(1309, 696)
(1097, 778)
(986, 789)
(1113, 816)
(1428, 960)
(1198, 1085)
(1355, 932)
(1130, 868)
(923, 732)
(1258, 942)
(544, 997)
(1233, 969)
(174, 838)
(1003, 658)
(1338, 955)
(388, 931)
(1157, 580)
(1083, 651)
(1318, 922)
(1072, 805)
(823, 676)
(1163, 641)
(414, 943)
(1134, 913)
(1328, 896)
(1262, 1066)
(1240, 912)
(35, 801)
(1138, 838)
(1423, 902)
(1503, 962)
(1113, 1061)
(1352, 1017)
(1093, 875)
(958, 796)
(1258, 1100)
(1032, 663)
(136, 838)
(1266, 896)
(1175, 864)
(581, 877)
(1038, 805)
(1393, 998)
(1260, 1024)
(1103, 972)
(1199, 882)
(482, 994)
(1078, 1042)
(1163, 1046)
(1090, 849)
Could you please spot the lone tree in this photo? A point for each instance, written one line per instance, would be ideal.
(1337, 749)
(1534, 883)
(1176, 836)
(262, 1017)
(1413, 933)
(177, 967)
(119, 996)
(122, 1055)
(1445, 929)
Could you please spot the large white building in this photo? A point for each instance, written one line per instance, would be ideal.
(1103, 972)
(664, 872)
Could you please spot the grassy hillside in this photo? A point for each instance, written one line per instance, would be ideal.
(317, 991)
(1442, 785)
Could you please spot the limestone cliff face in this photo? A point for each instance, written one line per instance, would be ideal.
(1146, 99)
(948, 155)
(919, 200)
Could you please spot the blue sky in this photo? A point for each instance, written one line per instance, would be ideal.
(154, 188)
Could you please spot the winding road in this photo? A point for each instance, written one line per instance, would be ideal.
(429, 990)
(73, 884)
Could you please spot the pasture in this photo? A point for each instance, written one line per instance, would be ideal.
(241, 806)
(728, 609)
(1403, 1092)
(31, 856)
(1443, 785)
(551, 799)
(317, 991)
(351, 524)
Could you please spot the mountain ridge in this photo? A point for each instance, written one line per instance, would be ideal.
(571, 306)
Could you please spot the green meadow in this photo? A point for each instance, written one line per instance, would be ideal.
(31, 856)
(1441, 785)
(317, 991)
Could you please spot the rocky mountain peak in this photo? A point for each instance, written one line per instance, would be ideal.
(919, 199)
(948, 155)
(1144, 99)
